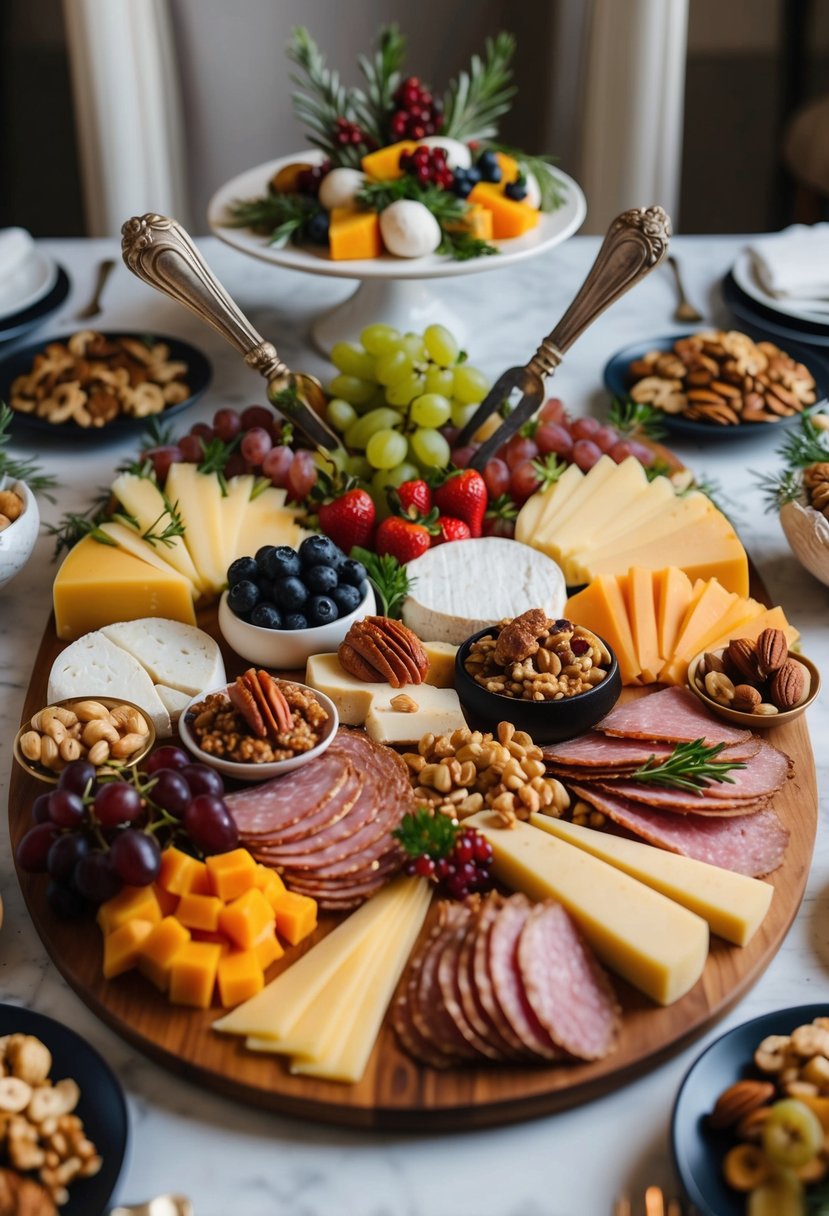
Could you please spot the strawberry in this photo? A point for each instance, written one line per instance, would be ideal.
(450, 529)
(402, 538)
(415, 498)
(464, 496)
(349, 520)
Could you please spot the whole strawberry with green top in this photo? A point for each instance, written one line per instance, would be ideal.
(464, 496)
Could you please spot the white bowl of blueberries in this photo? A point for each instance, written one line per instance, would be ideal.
(282, 605)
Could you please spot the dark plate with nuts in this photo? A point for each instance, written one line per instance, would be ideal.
(92, 385)
(719, 395)
(699, 1149)
(552, 679)
(103, 730)
(755, 684)
(101, 1106)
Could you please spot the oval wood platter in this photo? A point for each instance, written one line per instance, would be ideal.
(396, 1094)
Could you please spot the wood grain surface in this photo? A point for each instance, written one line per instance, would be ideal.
(396, 1093)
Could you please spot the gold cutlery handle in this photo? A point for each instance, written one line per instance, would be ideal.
(159, 251)
(636, 242)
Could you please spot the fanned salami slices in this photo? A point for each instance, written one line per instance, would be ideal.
(554, 1001)
(672, 715)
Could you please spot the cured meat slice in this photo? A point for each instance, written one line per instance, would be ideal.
(448, 969)
(673, 715)
(595, 750)
(568, 991)
(507, 980)
(473, 1008)
(747, 844)
(263, 809)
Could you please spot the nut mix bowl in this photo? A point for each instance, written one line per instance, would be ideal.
(17, 538)
(780, 697)
(74, 729)
(546, 721)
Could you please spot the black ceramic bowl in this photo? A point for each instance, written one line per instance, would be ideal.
(544, 721)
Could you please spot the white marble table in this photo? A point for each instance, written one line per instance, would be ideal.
(233, 1160)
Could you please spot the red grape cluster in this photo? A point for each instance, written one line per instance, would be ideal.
(93, 834)
(462, 871)
(257, 442)
(417, 114)
(428, 165)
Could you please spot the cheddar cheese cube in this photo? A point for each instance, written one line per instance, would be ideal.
(178, 871)
(199, 911)
(193, 974)
(296, 916)
(231, 874)
(239, 977)
(122, 947)
(131, 903)
(245, 919)
(268, 947)
(159, 950)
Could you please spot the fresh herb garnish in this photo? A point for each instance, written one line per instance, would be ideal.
(690, 766)
(477, 97)
(631, 417)
(423, 832)
(21, 470)
(388, 577)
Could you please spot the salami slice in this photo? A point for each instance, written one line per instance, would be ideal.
(747, 844)
(595, 750)
(568, 990)
(507, 980)
(673, 715)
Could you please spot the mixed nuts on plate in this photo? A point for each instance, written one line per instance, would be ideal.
(757, 677)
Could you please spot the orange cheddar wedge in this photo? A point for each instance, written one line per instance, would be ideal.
(296, 916)
(239, 977)
(122, 947)
(231, 874)
(131, 903)
(159, 949)
(193, 974)
(199, 912)
(245, 919)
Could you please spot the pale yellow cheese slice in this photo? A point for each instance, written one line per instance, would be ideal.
(144, 502)
(648, 939)
(622, 487)
(733, 904)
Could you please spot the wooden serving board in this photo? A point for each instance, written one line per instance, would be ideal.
(396, 1093)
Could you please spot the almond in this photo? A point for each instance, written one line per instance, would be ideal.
(788, 686)
(772, 651)
(735, 1102)
(740, 660)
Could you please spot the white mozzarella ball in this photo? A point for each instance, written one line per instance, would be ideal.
(533, 190)
(408, 229)
(458, 155)
(339, 187)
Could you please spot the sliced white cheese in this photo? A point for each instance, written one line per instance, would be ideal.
(174, 702)
(460, 588)
(93, 666)
(172, 653)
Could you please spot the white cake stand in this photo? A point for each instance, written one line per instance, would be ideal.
(393, 290)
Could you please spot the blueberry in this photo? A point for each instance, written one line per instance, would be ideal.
(266, 616)
(516, 190)
(261, 555)
(322, 610)
(281, 562)
(352, 572)
(320, 579)
(317, 228)
(243, 569)
(318, 551)
(243, 596)
(290, 593)
(294, 620)
(347, 598)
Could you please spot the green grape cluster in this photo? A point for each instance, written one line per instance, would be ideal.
(393, 394)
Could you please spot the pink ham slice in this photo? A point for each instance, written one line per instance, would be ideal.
(673, 715)
(747, 844)
(595, 750)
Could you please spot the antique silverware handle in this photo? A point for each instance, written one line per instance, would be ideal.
(159, 251)
(636, 242)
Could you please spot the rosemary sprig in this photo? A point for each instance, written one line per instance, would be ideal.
(479, 96)
(280, 217)
(631, 417)
(388, 577)
(320, 99)
(551, 187)
(382, 76)
(423, 832)
(17, 469)
(690, 766)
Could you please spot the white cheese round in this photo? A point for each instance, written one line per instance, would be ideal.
(460, 588)
(408, 229)
(339, 187)
(458, 155)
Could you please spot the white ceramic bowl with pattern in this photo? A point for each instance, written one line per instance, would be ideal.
(18, 540)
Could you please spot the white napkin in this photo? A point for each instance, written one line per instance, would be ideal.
(793, 265)
(15, 246)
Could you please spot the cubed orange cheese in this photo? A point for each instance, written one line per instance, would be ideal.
(159, 949)
(167, 901)
(269, 883)
(178, 871)
(199, 911)
(354, 234)
(122, 947)
(296, 916)
(239, 977)
(384, 164)
(131, 903)
(193, 974)
(231, 874)
(509, 218)
(268, 947)
(244, 919)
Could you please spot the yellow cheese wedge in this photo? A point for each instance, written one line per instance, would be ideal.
(441, 656)
(733, 904)
(544, 502)
(130, 541)
(639, 601)
(98, 584)
(673, 595)
(772, 618)
(648, 939)
(623, 486)
(199, 499)
(278, 1007)
(601, 607)
(144, 502)
(712, 605)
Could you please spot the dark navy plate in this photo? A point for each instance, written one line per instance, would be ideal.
(698, 1152)
(102, 1106)
(618, 382)
(19, 361)
(20, 323)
